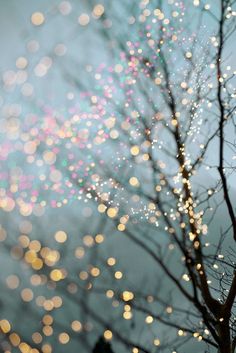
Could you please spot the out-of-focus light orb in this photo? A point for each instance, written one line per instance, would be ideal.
(83, 19)
(107, 335)
(118, 68)
(76, 326)
(127, 295)
(27, 294)
(57, 301)
(65, 8)
(37, 337)
(134, 181)
(118, 274)
(47, 320)
(111, 261)
(55, 176)
(102, 208)
(49, 157)
(21, 63)
(37, 18)
(88, 240)
(7, 204)
(25, 209)
(60, 49)
(12, 281)
(112, 212)
(64, 338)
(156, 342)
(37, 264)
(25, 227)
(98, 10)
(24, 347)
(5, 326)
(30, 147)
(47, 348)
(56, 275)
(60, 236)
(32, 46)
(149, 319)
(134, 150)
(14, 339)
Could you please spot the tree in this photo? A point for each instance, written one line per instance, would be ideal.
(160, 118)
(168, 111)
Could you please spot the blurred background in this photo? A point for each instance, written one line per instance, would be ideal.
(65, 261)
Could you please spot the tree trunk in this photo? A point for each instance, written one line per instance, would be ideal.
(225, 344)
(226, 348)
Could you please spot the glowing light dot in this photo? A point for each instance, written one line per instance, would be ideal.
(158, 81)
(188, 55)
(63, 338)
(60, 236)
(24, 347)
(95, 272)
(98, 10)
(30, 147)
(134, 181)
(102, 208)
(37, 18)
(169, 310)
(27, 294)
(21, 63)
(110, 293)
(174, 122)
(149, 319)
(127, 315)
(46, 348)
(47, 319)
(118, 68)
(5, 326)
(112, 212)
(156, 342)
(55, 176)
(14, 339)
(111, 261)
(56, 275)
(12, 281)
(88, 240)
(127, 296)
(118, 274)
(49, 157)
(65, 8)
(134, 150)
(37, 264)
(107, 335)
(84, 19)
(99, 238)
(121, 227)
(76, 326)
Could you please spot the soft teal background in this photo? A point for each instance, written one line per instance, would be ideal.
(84, 47)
